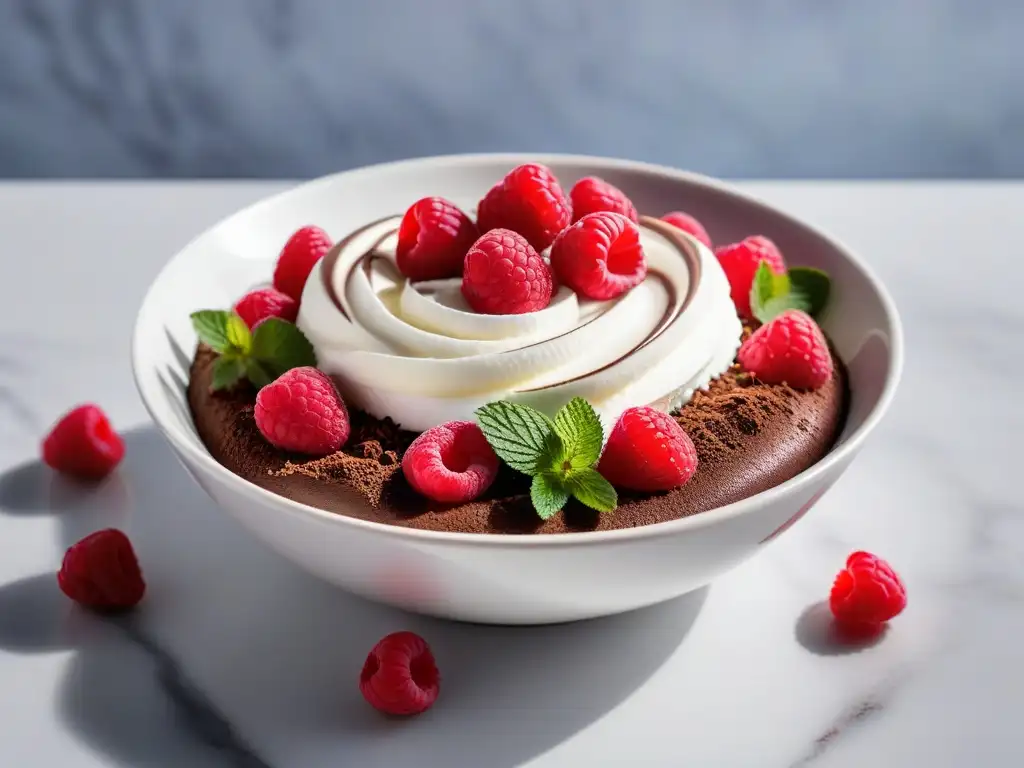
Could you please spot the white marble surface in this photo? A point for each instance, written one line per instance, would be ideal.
(237, 659)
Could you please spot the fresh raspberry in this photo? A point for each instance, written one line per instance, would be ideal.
(740, 262)
(687, 223)
(298, 257)
(528, 201)
(504, 275)
(648, 451)
(101, 572)
(489, 207)
(451, 462)
(400, 676)
(302, 411)
(83, 444)
(600, 256)
(266, 302)
(866, 594)
(591, 195)
(789, 349)
(433, 239)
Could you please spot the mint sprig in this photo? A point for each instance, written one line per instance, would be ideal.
(579, 427)
(559, 454)
(524, 438)
(548, 495)
(261, 355)
(590, 487)
(803, 288)
(813, 285)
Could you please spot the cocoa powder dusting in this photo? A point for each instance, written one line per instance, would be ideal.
(364, 464)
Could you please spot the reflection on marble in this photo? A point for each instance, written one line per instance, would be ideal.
(238, 659)
(296, 88)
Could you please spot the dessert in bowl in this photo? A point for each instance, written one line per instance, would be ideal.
(500, 431)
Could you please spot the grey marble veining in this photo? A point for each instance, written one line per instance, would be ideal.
(237, 659)
(297, 88)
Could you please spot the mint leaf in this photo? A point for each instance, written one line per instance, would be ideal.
(762, 288)
(238, 335)
(768, 293)
(227, 369)
(803, 288)
(590, 487)
(813, 286)
(211, 326)
(579, 427)
(548, 495)
(258, 373)
(276, 346)
(523, 437)
(280, 346)
(779, 304)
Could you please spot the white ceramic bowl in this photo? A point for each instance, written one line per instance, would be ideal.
(505, 579)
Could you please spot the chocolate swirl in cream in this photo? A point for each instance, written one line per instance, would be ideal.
(416, 353)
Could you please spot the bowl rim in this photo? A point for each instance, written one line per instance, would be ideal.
(590, 164)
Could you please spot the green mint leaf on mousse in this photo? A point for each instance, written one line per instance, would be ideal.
(276, 346)
(590, 487)
(814, 287)
(579, 427)
(560, 455)
(227, 370)
(770, 294)
(767, 285)
(238, 334)
(258, 373)
(523, 437)
(548, 495)
(803, 288)
(280, 346)
(221, 331)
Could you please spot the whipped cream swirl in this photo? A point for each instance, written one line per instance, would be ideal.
(415, 352)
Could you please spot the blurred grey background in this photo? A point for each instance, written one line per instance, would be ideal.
(298, 88)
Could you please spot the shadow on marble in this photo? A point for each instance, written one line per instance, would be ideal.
(34, 489)
(35, 616)
(817, 633)
(252, 661)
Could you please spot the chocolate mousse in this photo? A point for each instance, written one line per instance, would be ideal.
(749, 437)
(537, 370)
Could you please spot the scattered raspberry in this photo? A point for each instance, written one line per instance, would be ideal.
(740, 262)
(433, 239)
(298, 257)
(302, 411)
(266, 302)
(789, 349)
(451, 462)
(528, 201)
(866, 594)
(504, 275)
(83, 444)
(687, 223)
(400, 676)
(592, 195)
(648, 451)
(600, 256)
(101, 572)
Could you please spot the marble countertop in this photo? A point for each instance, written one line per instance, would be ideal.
(238, 659)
